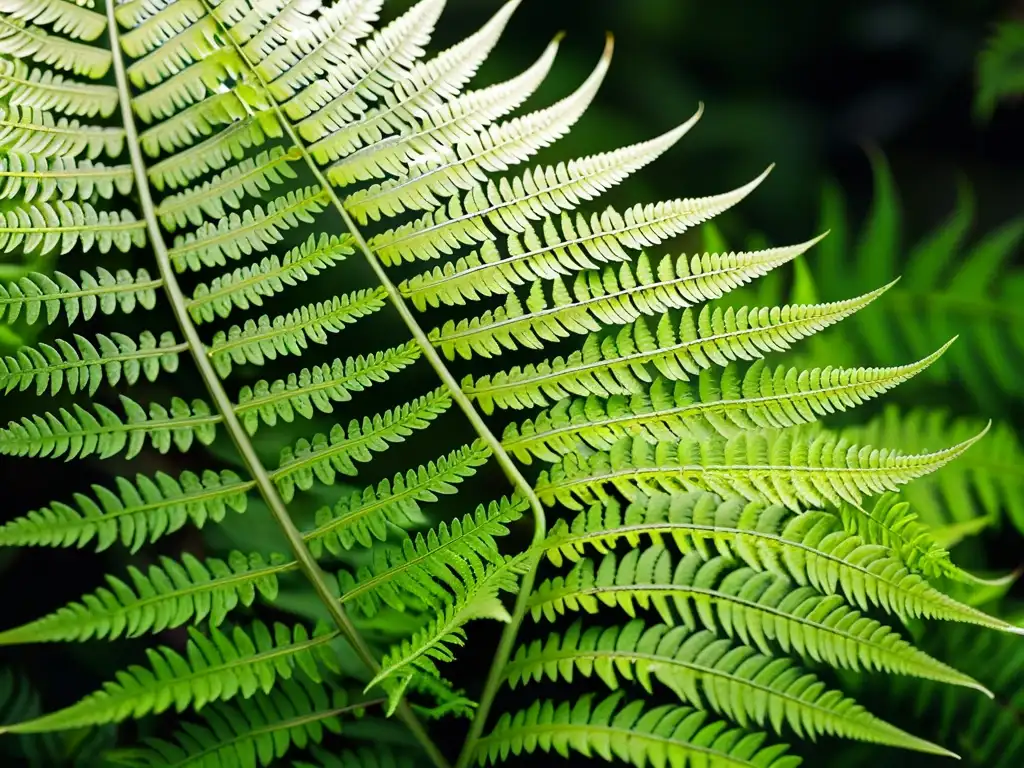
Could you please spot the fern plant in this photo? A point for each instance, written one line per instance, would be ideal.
(171, 148)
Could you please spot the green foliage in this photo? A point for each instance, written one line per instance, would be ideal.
(311, 161)
(1000, 68)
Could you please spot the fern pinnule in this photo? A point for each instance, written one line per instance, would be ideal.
(37, 296)
(50, 91)
(41, 179)
(29, 42)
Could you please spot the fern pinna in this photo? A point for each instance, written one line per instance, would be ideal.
(168, 150)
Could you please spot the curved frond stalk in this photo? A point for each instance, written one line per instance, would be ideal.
(974, 490)
(235, 236)
(29, 42)
(84, 365)
(365, 516)
(46, 297)
(619, 364)
(247, 286)
(60, 226)
(761, 610)
(211, 200)
(37, 179)
(256, 731)
(134, 514)
(323, 457)
(316, 389)
(213, 668)
(606, 298)
(426, 570)
(348, 88)
(724, 403)
(708, 672)
(681, 737)
(425, 88)
(794, 467)
(449, 124)
(444, 172)
(508, 205)
(811, 548)
(163, 597)
(266, 339)
(43, 89)
(79, 432)
(566, 245)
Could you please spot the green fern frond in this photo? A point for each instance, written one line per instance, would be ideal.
(37, 296)
(508, 205)
(620, 363)
(813, 549)
(253, 732)
(60, 226)
(66, 16)
(1000, 72)
(43, 89)
(708, 672)
(175, 54)
(34, 132)
(165, 596)
(317, 389)
(420, 570)
(679, 737)
(134, 515)
(377, 756)
(452, 122)
(323, 457)
(162, 23)
(724, 403)
(572, 244)
(189, 86)
(210, 200)
(607, 298)
(84, 365)
(40, 179)
(79, 433)
(802, 465)
(363, 516)
(249, 285)
(759, 608)
(214, 668)
(190, 125)
(29, 42)
(434, 176)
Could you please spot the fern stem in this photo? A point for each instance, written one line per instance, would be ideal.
(511, 471)
(310, 568)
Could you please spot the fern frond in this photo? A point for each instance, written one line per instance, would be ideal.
(679, 737)
(443, 173)
(167, 20)
(606, 298)
(813, 549)
(249, 285)
(42, 89)
(29, 178)
(175, 54)
(135, 514)
(723, 403)
(983, 484)
(266, 339)
(29, 42)
(364, 75)
(760, 610)
(572, 244)
(508, 205)
(317, 389)
(65, 16)
(215, 668)
(59, 226)
(1000, 73)
(240, 235)
(423, 89)
(84, 365)
(32, 131)
(252, 176)
(323, 457)
(619, 364)
(736, 682)
(419, 571)
(191, 124)
(165, 596)
(254, 732)
(189, 86)
(285, 20)
(802, 465)
(364, 516)
(455, 121)
(36, 296)
(79, 432)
